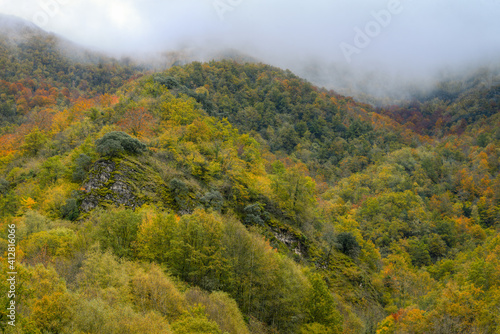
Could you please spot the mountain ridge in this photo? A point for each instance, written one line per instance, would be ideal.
(158, 200)
(13, 23)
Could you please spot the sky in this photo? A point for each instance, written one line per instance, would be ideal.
(409, 37)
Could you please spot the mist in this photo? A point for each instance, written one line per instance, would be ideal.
(377, 47)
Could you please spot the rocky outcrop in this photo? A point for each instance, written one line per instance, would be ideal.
(291, 241)
(120, 182)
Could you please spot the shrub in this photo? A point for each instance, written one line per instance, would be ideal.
(117, 142)
(181, 193)
(213, 199)
(81, 168)
(254, 214)
(167, 81)
(348, 244)
(4, 186)
(70, 210)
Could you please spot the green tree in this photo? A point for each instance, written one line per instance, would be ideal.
(419, 252)
(196, 250)
(34, 141)
(292, 188)
(43, 245)
(70, 210)
(265, 284)
(117, 229)
(155, 236)
(315, 328)
(195, 323)
(347, 244)
(320, 307)
(103, 275)
(116, 143)
(51, 170)
(153, 290)
(82, 166)
(221, 308)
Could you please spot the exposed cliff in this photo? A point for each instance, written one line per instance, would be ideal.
(122, 181)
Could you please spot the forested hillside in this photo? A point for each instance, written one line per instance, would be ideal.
(228, 197)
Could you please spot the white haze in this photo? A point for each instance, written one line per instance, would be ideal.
(422, 37)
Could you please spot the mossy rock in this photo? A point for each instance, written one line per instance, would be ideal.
(123, 181)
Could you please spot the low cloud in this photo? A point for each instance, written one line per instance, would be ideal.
(416, 39)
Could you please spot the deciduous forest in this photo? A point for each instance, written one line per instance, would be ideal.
(236, 197)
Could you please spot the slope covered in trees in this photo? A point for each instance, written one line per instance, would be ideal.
(452, 105)
(238, 198)
(40, 70)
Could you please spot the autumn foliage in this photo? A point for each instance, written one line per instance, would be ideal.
(238, 198)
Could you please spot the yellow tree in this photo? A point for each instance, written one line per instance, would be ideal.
(294, 190)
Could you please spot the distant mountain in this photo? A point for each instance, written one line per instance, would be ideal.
(18, 32)
(41, 69)
(453, 103)
(14, 25)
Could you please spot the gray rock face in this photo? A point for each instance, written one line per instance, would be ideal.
(290, 241)
(100, 174)
(106, 184)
